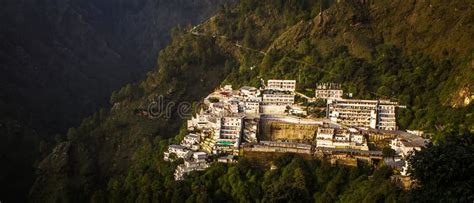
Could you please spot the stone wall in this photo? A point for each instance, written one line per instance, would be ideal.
(277, 130)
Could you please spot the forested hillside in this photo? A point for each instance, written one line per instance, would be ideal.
(61, 60)
(417, 53)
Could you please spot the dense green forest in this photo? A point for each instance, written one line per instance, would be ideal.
(295, 179)
(371, 48)
(299, 180)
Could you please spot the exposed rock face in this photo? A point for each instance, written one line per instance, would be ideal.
(463, 97)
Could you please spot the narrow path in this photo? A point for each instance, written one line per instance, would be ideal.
(302, 95)
(236, 44)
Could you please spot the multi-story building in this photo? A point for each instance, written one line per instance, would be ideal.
(252, 107)
(232, 105)
(325, 133)
(324, 137)
(406, 143)
(202, 121)
(191, 141)
(278, 98)
(328, 91)
(339, 138)
(276, 102)
(249, 91)
(227, 159)
(281, 85)
(250, 130)
(188, 166)
(179, 150)
(228, 133)
(199, 156)
(377, 114)
(357, 138)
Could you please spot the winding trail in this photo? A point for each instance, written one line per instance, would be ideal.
(194, 31)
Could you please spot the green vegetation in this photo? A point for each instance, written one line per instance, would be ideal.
(60, 62)
(422, 82)
(117, 155)
(444, 170)
(388, 152)
(294, 180)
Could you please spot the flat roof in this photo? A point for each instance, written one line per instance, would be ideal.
(248, 88)
(177, 146)
(380, 101)
(411, 140)
(280, 80)
(191, 135)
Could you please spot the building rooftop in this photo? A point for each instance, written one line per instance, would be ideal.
(375, 101)
(328, 86)
(200, 153)
(175, 146)
(278, 80)
(248, 88)
(191, 135)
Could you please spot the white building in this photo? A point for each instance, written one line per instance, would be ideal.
(249, 91)
(200, 121)
(217, 108)
(281, 85)
(278, 98)
(199, 156)
(403, 146)
(232, 105)
(276, 101)
(377, 114)
(252, 107)
(328, 91)
(340, 138)
(191, 141)
(179, 150)
(227, 159)
(250, 130)
(227, 88)
(325, 133)
(187, 167)
(228, 134)
(325, 143)
(416, 132)
(324, 137)
(357, 139)
(295, 110)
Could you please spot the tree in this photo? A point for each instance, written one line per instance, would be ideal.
(444, 170)
(388, 152)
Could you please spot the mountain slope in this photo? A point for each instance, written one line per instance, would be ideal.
(75, 53)
(106, 145)
(117, 155)
(61, 60)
